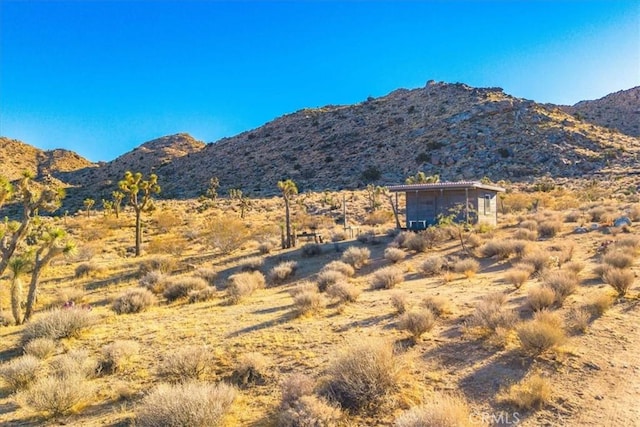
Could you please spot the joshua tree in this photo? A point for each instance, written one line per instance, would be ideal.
(288, 189)
(53, 242)
(18, 266)
(422, 178)
(373, 194)
(212, 189)
(139, 194)
(88, 205)
(6, 190)
(117, 201)
(34, 196)
(107, 206)
(243, 201)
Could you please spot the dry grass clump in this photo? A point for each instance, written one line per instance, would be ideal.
(75, 363)
(309, 410)
(133, 300)
(21, 372)
(541, 334)
(417, 242)
(356, 257)
(399, 301)
(599, 303)
(619, 279)
(524, 234)
(207, 274)
(303, 286)
(266, 246)
(442, 410)
(308, 302)
(87, 269)
(573, 216)
(618, 259)
(180, 287)
(579, 319)
(432, 265)
(629, 243)
(42, 348)
(202, 295)
(501, 249)
(596, 213)
(440, 306)
(55, 396)
(344, 292)
(243, 284)
(517, 277)
(188, 404)
(340, 266)
(530, 393)
(163, 263)
(327, 278)
(251, 368)
(549, 228)
(155, 281)
(294, 387)
(417, 323)
(186, 363)
(363, 376)
(310, 250)
(387, 278)
(541, 297)
(394, 255)
(467, 266)
(529, 224)
(118, 355)
(563, 283)
(252, 263)
(282, 272)
(573, 267)
(70, 295)
(58, 323)
(490, 315)
(537, 259)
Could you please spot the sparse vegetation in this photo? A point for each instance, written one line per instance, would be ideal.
(181, 287)
(55, 396)
(21, 372)
(417, 322)
(59, 323)
(387, 278)
(440, 410)
(133, 300)
(184, 364)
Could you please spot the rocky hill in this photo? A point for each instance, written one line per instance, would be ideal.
(16, 157)
(619, 110)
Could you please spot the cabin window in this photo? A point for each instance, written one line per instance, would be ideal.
(487, 204)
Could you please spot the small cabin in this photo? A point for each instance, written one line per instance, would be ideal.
(473, 202)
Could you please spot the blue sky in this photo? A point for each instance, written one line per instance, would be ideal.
(102, 77)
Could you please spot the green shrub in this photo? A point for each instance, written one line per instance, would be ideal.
(59, 323)
(190, 404)
(133, 301)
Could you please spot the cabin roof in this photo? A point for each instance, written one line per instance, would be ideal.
(459, 185)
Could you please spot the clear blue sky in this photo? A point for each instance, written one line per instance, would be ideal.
(102, 77)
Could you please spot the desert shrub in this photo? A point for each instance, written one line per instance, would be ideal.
(243, 284)
(630, 244)
(618, 259)
(133, 300)
(363, 376)
(573, 216)
(338, 236)
(303, 286)
(166, 220)
(173, 245)
(537, 336)
(356, 257)
(162, 263)
(579, 319)
(417, 242)
(530, 393)
(378, 217)
(179, 287)
(438, 305)
(501, 249)
(155, 281)
(394, 254)
(549, 228)
(563, 283)
(524, 234)
(327, 278)
(387, 278)
(307, 302)
(56, 396)
(417, 322)
(207, 274)
(226, 233)
(440, 411)
(202, 295)
(42, 348)
(294, 387)
(473, 240)
(282, 271)
(186, 363)
(529, 224)
(573, 267)
(619, 279)
(537, 259)
(88, 269)
(599, 303)
(399, 301)
(541, 297)
(467, 266)
(59, 323)
(21, 372)
(489, 315)
(251, 368)
(75, 363)
(266, 247)
(517, 277)
(118, 355)
(340, 266)
(66, 295)
(596, 213)
(311, 249)
(189, 404)
(252, 263)
(344, 292)
(309, 410)
(432, 265)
